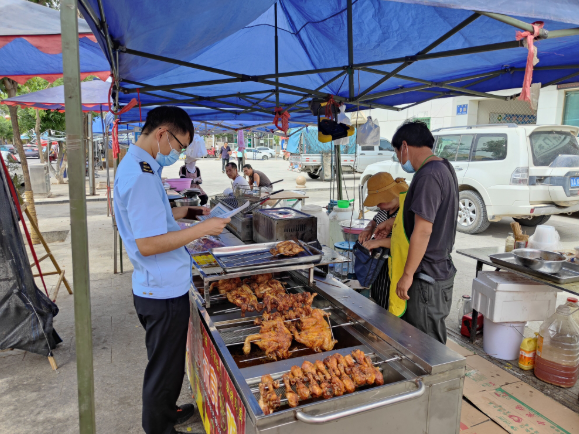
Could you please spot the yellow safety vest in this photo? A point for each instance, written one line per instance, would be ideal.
(397, 260)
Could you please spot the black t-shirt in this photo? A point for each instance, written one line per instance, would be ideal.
(433, 195)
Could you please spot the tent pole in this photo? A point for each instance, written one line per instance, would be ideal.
(90, 142)
(350, 62)
(108, 39)
(276, 57)
(435, 44)
(513, 22)
(78, 216)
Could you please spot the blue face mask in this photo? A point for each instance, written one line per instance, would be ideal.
(407, 167)
(167, 160)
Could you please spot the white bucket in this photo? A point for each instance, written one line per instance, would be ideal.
(502, 340)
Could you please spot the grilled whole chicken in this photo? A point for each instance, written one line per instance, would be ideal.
(315, 332)
(286, 248)
(270, 287)
(292, 397)
(273, 338)
(244, 298)
(226, 285)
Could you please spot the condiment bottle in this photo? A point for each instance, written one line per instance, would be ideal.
(557, 359)
(510, 243)
(573, 303)
(527, 353)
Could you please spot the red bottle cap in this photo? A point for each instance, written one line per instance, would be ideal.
(573, 300)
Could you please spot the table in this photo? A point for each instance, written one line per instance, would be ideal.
(278, 197)
(481, 255)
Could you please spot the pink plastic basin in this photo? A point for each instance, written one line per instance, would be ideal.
(179, 184)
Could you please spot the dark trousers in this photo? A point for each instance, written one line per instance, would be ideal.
(224, 161)
(429, 305)
(166, 322)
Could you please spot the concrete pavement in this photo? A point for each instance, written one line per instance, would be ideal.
(33, 398)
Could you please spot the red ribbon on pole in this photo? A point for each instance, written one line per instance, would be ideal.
(530, 37)
(284, 116)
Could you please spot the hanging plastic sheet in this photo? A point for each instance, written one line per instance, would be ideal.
(26, 314)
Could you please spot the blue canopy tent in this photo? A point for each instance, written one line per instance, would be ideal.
(94, 97)
(31, 46)
(295, 50)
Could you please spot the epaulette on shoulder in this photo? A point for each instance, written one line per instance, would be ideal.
(145, 167)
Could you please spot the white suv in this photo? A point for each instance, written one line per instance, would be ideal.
(506, 170)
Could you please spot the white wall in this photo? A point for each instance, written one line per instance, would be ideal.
(442, 112)
(550, 107)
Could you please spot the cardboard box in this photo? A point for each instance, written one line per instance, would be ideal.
(485, 428)
(482, 375)
(457, 348)
(514, 405)
(470, 416)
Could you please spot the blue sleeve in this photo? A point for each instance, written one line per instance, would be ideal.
(146, 207)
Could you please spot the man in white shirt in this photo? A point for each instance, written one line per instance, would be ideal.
(233, 174)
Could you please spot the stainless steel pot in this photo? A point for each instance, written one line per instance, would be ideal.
(188, 202)
(540, 260)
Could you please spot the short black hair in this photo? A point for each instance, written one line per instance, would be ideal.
(415, 133)
(174, 118)
(247, 166)
(232, 165)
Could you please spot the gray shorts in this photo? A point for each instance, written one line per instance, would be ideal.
(429, 305)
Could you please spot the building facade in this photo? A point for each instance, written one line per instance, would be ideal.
(557, 105)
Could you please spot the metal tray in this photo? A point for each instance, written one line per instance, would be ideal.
(568, 274)
(257, 256)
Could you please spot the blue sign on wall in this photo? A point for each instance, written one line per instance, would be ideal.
(461, 109)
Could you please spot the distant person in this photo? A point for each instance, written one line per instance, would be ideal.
(233, 174)
(257, 178)
(225, 151)
(191, 170)
(239, 157)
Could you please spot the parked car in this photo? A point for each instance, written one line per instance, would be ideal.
(8, 148)
(256, 154)
(10, 157)
(525, 172)
(31, 151)
(266, 150)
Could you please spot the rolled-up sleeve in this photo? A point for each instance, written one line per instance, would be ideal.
(146, 208)
(427, 197)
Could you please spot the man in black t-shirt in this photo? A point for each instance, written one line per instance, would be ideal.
(430, 218)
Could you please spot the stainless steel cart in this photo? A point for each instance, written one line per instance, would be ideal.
(423, 378)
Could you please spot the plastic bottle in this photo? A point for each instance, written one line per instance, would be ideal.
(464, 307)
(528, 352)
(510, 243)
(557, 359)
(323, 222)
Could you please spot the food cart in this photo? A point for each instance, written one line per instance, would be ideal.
(423, 379)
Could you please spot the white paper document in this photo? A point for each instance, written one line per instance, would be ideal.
(222, 212)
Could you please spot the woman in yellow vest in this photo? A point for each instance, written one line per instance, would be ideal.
(388, 195)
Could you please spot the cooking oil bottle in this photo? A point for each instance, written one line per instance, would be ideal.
(528, 352)
(573, 303)
(557, 359)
